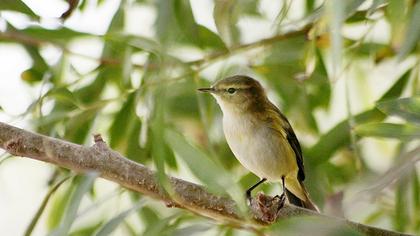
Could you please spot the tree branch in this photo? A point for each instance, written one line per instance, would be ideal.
(116, 168)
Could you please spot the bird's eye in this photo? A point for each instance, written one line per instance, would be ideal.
(231, 90)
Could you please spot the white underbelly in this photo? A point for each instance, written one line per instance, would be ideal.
(259, 149)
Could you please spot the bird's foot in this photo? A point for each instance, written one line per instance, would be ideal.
(265, 208)
(281, 200)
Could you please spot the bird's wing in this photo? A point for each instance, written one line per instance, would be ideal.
(278, 119)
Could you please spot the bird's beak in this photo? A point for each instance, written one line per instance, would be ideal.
(206, 90)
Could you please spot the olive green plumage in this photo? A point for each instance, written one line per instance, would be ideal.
(260, 136)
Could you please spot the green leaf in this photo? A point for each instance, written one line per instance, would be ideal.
(196, 229)
(283, 67)
(60, 35)
(225, 17)
(196, 34)
(406, 108)
(401, 215)
(388, 130)
(339, 135)
(396, 89)
(412, 35)
(58, 205)
(396, 14)
(318, 86)
(198, 162)
(415, 193)
(310, 225)
(208, 39)
(39, 68)
(157, 136)
(86, 231)
(111, 225)
(137, 42)
(158, 227)
(375, 5)
(17, 5)
(78, 127)
(85, 182)
(123, 124)
(336, 10)
(148, 216)
(43, 205)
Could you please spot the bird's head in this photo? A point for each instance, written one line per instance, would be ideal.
(237, 93)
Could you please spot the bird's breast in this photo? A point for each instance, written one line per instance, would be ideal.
(257, 147)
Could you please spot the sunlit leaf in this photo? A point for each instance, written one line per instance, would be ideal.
(415, 193)
(412, 35)
(375, 5)
(111, 225)
(58, 205)
(388, 130)
(157, 137)
(336, 11)
(400, 170)
(138, 42)
(70, 214)
(39, 68)
(224, 15)
(123, 124)
(198, 162)
(396, 15)
(339, 135)
(148, 215)
(401, 216)
(43, 205)
(318, 85)
(86, 231)
(61, 35)
(192, 230)
(406, 108)
(307, 225)
(158, 227)
(17, 5)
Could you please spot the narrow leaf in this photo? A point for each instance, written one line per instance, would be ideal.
(225, 20)
(42, 207)
(338, 136)
(406, 108)
(158, 227)
(111, 225)
(17, 5)
(388, 130)
(401, 215)
(198, 162)
(70, 213)
(412, 35)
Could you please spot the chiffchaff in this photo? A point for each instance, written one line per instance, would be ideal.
(261, 137)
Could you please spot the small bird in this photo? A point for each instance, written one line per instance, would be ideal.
(261, 137)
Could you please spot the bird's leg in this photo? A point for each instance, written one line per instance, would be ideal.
(282, 197)
(248, 192)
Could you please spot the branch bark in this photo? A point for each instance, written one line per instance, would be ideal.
(116, 168)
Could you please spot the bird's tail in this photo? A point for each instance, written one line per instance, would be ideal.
(297, 195)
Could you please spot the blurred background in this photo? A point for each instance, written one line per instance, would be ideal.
(347, 78)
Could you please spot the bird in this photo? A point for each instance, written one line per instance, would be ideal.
(261, 138)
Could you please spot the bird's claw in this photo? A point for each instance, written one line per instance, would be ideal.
(281, 200)
(266, 208)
